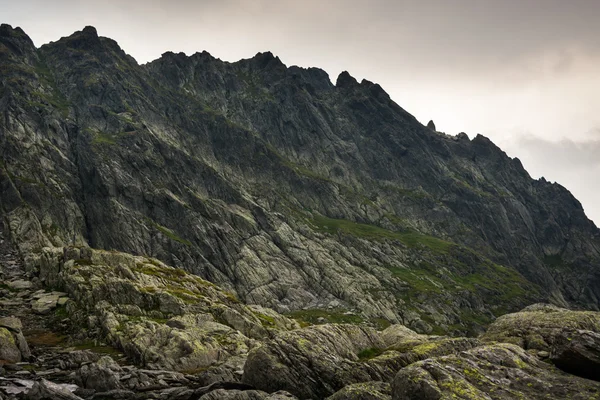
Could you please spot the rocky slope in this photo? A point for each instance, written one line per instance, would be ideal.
(129, 327)
(289, 191)
(255, 224)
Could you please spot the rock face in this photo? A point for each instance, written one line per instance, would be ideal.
(289, 191)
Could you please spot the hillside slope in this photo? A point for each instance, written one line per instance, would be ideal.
(322, 201)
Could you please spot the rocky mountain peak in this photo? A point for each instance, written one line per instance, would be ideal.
(15, 40)
(86, 39)
(267, 60)
(344, 79)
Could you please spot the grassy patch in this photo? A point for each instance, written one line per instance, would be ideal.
(160, 271)
(366, 231)
(369, 353)
(169, 233)
(61, 312)
(45, 339)
(381, 323)
(420, 280)
(311, 317)
(56, 100)
(265, 320)
(104, 138)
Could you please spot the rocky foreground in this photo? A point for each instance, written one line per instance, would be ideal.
(117, 326)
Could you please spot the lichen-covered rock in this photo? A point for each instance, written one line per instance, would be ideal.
(539, 327)
(364, 391)
(157, 314)
(571, 339)
(222, 394)
(9, 351)
(312, 362)
(498, 371)
(101, 376)
(14, 326)
(397, 357)
(316, 362)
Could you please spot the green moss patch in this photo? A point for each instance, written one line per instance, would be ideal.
(369, 353)
(311, 317)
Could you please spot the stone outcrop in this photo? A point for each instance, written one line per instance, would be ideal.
(318, 361)
(157, 314)
(364, 391)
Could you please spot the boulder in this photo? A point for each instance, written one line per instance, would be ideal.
(222, 394)
(578, 353)
(102, 376)
(539, 327)
(497, 371)
(14, 326)
(570, 338)
(44, 390)
(9, 349)
(313, 362)
(12, 323)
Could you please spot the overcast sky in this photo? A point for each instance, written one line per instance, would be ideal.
(525, 73)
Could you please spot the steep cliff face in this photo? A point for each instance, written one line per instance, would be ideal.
(311, 198)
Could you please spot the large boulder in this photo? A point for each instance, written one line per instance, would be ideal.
(9, 351)
(538, 327)
(101, 376)
(13, 345)
(313, 362)
(578, 353)
(570, 338)
(498, 371)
